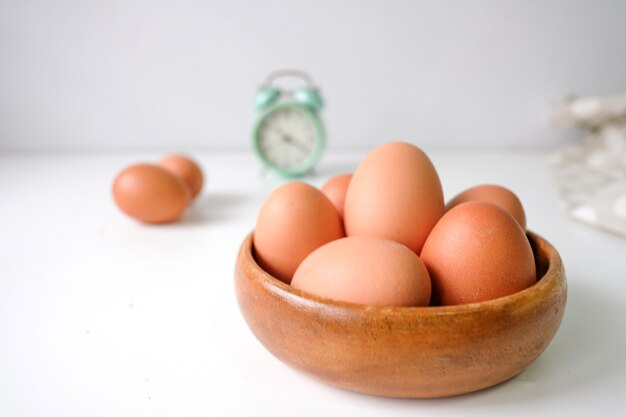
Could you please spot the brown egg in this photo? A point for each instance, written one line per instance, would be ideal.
(365, 270)
(495, 194)
(296, 219)
(394, 194)
(477, 252)
(185, 169)
(335, 189)
(150, 194)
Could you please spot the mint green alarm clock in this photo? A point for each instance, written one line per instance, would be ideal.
(288, 136)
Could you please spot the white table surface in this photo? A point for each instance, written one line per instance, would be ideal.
(103, 316)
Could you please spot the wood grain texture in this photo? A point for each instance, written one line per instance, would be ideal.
(411, 352)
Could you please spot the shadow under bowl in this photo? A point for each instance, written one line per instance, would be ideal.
(409, 352)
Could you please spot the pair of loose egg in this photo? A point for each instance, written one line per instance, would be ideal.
(158, 193)
(383, 236)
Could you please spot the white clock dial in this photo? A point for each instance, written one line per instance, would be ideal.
(287, 137)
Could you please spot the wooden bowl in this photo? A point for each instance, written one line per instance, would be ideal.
(412, 352)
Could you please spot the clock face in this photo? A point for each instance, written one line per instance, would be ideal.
(288, 137)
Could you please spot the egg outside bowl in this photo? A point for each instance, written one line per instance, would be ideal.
(410, 352)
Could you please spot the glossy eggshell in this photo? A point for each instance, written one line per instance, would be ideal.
(395, 194)
(150, 194)
(185, 169)
(335, 189)
(477, 252)
(495, 194)
(296, 219)
(367, 271)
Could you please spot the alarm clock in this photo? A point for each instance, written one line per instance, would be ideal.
(288, 136)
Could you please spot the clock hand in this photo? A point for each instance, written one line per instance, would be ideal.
(291, 141)
(280, 131)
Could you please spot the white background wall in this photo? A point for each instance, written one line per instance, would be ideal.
(178, 74)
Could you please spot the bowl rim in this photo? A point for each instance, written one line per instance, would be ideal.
(551, 278)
